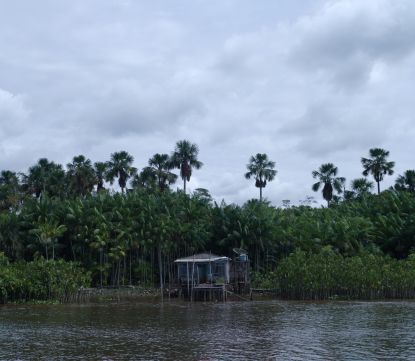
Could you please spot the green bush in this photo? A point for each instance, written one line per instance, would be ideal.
(327, 274)
(40, 280)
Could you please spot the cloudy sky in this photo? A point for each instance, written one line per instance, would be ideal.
(305, 81)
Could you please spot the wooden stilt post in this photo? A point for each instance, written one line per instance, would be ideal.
(187, 277)
(193, 271)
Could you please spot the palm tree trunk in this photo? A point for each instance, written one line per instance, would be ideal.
(73, 251)
(119, 271)
(100, 267)
(184, 185)
(130, 267)
(260, 194)
(161, 273)
(378, 187)
(124, 270)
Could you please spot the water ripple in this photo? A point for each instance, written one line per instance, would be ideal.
(271, 330)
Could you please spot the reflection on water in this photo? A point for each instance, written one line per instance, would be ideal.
(269, 330)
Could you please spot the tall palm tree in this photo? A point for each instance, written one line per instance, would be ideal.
(326, 176)
(81, 175)
(262, 169)
(100, 170)
(406, 181)
(361, 186)
(377, 165)
(120, 166)
(161, 165)
(184, 158)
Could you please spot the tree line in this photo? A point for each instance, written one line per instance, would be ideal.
(377, 165)
(81, 177)
(133, 237)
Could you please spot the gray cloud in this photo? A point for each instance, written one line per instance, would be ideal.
(13, 114)
(346, 39)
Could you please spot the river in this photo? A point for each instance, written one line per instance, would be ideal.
(259, 330)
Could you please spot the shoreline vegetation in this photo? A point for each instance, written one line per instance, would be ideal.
(62, 230)
(328, 275)
(40, 280)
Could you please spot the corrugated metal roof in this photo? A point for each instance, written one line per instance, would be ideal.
(201, 257)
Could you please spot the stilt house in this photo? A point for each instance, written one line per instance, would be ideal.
(206, 276)
(203, 268)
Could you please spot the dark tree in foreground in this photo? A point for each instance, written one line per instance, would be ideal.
(328, 180)
(262, 169)
(377, 165)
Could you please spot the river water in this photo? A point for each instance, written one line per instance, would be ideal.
(259, 330)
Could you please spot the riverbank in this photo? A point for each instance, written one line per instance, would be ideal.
(323, 275)
(114, 294)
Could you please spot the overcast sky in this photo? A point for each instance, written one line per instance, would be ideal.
(305, 81)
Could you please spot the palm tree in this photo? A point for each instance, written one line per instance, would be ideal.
(184, 158)
(9, 190)
(377, 165)
(100, 170)
(120, 166)
(406, 181)
(361, 186)
(161, 165)
(45, 177)
(100, 241)
(262, 169)
(9, 178)
(146, 179)
(326, 176)
(81, 175)
(48, 233)
(203, 195)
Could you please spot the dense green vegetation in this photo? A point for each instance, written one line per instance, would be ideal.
(40, 280)
(329, 275)
(62, 229)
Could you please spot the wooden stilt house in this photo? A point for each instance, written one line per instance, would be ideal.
(206, 276)
(203, 276)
